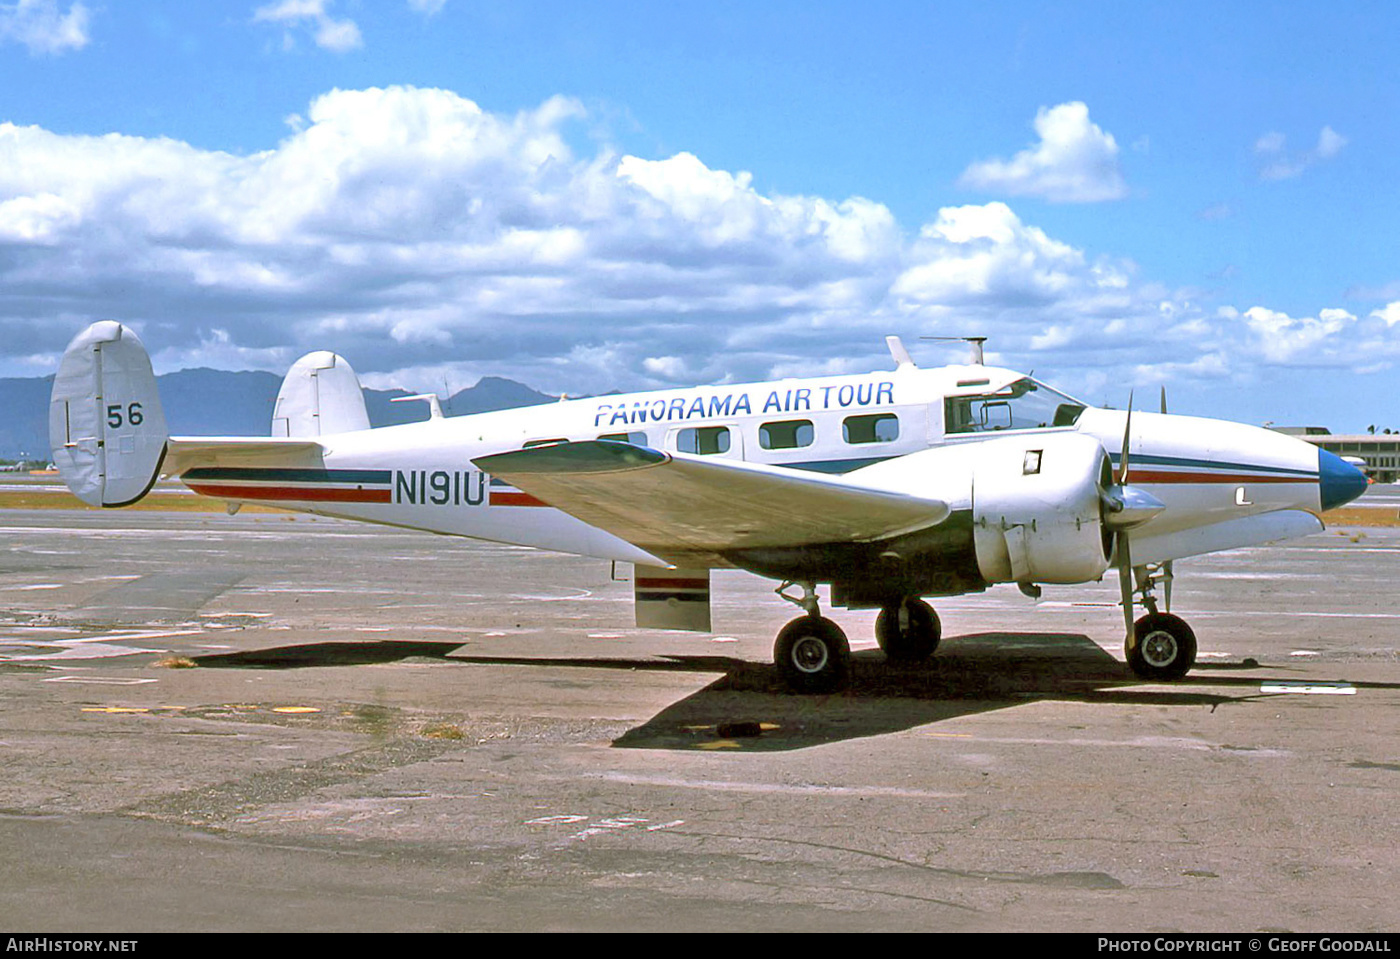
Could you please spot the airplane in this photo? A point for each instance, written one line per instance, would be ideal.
(887, 487)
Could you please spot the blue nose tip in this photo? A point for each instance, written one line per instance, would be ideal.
(1337, 480)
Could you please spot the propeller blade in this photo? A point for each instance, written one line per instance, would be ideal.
(1125, 585)
(1164, 399)
(1127, 434)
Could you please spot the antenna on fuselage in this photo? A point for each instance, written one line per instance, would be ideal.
(973, 341)
(902, 359)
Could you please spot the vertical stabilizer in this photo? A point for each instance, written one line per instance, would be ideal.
(320, 395)
(106, 426)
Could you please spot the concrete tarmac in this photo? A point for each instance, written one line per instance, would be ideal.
(277, 722)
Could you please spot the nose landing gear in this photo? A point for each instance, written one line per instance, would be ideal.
(1159, 646)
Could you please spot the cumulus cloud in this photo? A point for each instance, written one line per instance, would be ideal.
(1074, 162)
(1390, 314)
(41, 27)
(1279, 163)
(313, 16)
(1334, 338)
(424, 237)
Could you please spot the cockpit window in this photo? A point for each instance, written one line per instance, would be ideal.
(1022, 405)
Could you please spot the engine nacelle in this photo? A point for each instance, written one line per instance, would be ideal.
(1037, 509)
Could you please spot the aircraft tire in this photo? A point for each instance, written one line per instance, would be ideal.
(812, 655)
(1164, 648)
(918, 640)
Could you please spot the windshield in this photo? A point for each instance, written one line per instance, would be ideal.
(1022, 405)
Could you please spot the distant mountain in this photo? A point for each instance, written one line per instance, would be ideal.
(204, 402)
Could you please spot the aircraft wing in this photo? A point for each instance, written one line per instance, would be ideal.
(695, 509)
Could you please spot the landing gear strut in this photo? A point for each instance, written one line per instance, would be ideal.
(811, 653)
(908, 631)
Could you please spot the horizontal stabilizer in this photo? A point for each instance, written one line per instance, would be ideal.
(693, 507)
(193, 452)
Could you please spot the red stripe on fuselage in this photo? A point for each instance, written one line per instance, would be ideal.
(649, 583)
(295, 494)
(1155, 476)
(507, 498)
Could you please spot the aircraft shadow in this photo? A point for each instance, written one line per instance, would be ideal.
(750, 710)
(312, 655)
(747, 707)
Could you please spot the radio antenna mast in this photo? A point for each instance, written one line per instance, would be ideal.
(973, 341)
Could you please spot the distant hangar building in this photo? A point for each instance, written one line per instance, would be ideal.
(1380, 451)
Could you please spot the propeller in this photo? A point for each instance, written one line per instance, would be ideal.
(1125, 559)
(1167, 566)
(1124, 507)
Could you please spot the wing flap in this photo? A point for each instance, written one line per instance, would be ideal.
(677, 505)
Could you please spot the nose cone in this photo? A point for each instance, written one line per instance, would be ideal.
(1338, 481)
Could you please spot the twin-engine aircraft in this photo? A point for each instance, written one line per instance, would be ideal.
(888, 486)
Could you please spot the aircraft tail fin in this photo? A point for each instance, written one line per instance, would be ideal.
(320, 395)
(106, 425)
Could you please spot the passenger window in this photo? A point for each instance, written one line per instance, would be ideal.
(703, 440)
(636, 439)
(872, 428)
(787, 435)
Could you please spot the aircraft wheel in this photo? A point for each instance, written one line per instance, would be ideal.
(908, 631)
(1164, 647)
(812, 655)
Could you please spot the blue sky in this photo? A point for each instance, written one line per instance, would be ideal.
(587, 196)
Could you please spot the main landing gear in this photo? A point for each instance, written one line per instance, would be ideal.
(908, 631)
(813, 655)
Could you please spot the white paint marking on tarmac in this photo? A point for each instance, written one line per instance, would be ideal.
(99, 682)
(1310, 689)
(66, 651)
(1250, 613)
(540, 598)
(103, 646)
(751, 787)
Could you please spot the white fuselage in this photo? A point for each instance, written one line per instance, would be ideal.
(421, 475)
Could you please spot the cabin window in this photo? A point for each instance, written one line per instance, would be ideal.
(871, 428)
(1022, 405)
(703, 440)
(636, 439)
(786, 435)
